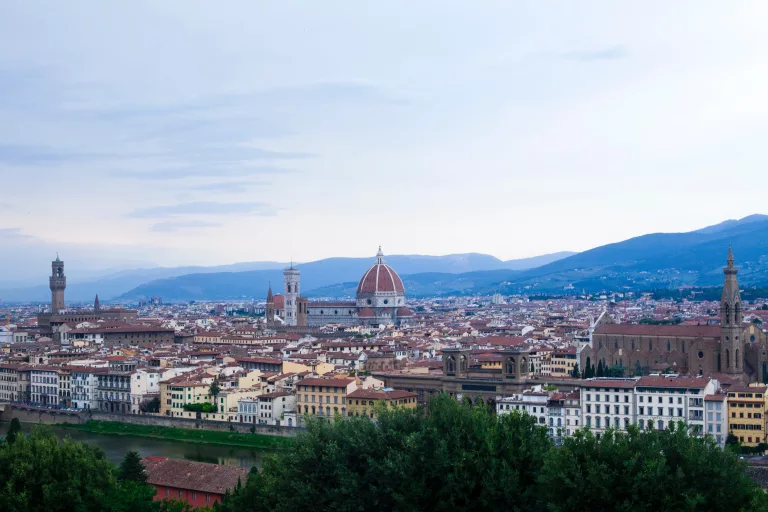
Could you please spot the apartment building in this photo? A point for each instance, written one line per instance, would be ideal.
(529, 402)
(607, 402)
(562, 362)
(716, 417)
(268, 409)
(323, 397)
(366, 402)
(664, 399)
(85, 387)
(44, 383)
(573, 420)
(747, 407)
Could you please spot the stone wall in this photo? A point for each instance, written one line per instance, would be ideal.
(28, 414)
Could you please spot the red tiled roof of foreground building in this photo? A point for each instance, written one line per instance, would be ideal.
(194, 476)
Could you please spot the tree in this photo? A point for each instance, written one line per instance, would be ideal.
(14, 430)
(533, 370)
(150, 405)
(39, 473)
(214, 390)
(132, 470)
(646, 471)
(588, 373)
(600, 369)
(456, 457)
(575, 372)
(638, 369)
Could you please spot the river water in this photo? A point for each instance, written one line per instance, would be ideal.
(115, 446)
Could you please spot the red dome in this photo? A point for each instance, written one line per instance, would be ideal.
(402, 311)
(380, 278)
(366, 313)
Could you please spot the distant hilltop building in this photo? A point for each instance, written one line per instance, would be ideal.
(732, 348)
(49, 322)
(380, 300)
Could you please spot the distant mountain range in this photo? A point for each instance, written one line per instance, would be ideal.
(659, 260)
(251, 279)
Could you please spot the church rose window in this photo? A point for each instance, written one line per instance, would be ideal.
(700, 354)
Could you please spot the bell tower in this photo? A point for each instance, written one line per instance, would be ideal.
(731, 316)
(58, 282)
(292, 282)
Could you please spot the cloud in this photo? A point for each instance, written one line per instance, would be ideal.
(202, 208)
(609, 53)
(24, 154)
(201, 172)
(13, 234)
(226, 186)
(171, 226)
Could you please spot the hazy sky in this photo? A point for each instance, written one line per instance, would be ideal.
(212, 132)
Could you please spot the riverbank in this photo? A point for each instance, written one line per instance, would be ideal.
(259, 441)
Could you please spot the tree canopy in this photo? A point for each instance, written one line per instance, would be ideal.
(40, 473)
(460, 457)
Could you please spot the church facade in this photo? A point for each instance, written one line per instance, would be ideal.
(731, 348)
(379, 300)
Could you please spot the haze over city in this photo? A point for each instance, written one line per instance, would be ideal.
(156, 133)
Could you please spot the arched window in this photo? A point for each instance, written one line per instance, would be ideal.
(682, 346)
(727, 359)
(736, 358)
(727, 314)
(633, 345)
(616, 345)
(650, 345)
(669, 346)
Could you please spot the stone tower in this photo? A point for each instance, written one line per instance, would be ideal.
(301, 311)
(292, 281)
(58, 282)
(97, 305)
(270, 313)
(731, 315)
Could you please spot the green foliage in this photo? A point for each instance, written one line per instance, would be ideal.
(201, 407)
(653, 321)
(614, 371)
(600, 369)
(757, 321)
(14, 430)
(455, 457)
(39, 473)
(132, 470)
(575, 372)
(646, 471)
(151, 405)
(215, 389)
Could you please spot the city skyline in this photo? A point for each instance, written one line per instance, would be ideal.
(192, 137)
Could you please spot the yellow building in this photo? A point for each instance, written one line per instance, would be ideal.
(366, 402)
(489, 361)
(747, 407)
(323, 397)
(179, 391)
(562, 361)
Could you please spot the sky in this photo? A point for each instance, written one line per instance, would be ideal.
(189, 132)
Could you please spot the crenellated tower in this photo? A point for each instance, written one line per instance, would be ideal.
(58, 283)
(731, 316)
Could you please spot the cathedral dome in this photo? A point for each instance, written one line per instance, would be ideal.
(380, 278)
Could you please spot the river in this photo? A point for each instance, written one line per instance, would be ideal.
(115, 446)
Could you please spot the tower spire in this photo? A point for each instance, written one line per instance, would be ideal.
(380, 257)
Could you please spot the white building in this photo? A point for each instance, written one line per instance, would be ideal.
(143, 383)
(44, 386)
(84, 383)
(716, 417)
(573, 420)
(607, 402)
(268, 409)
(529, 402)
(662, 399)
